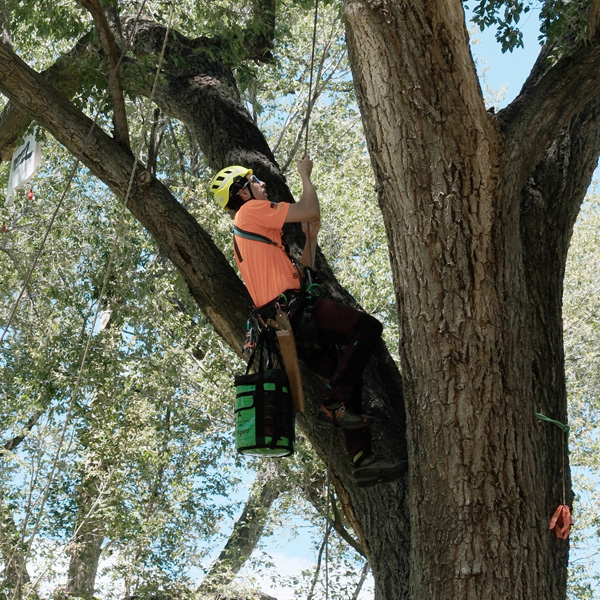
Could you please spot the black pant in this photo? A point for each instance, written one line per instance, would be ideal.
(337, 344)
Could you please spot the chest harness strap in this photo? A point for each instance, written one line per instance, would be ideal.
(256, 237)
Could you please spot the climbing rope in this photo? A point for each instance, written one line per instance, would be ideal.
(324, 548)
(328, 503)
(328, 497)
(310, 80)
(309, 109)
(111, 254)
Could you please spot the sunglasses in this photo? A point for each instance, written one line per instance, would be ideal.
(247, 182)
(253, 179)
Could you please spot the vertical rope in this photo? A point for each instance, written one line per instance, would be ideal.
(310, 81)
(329, 500)
(309, 109)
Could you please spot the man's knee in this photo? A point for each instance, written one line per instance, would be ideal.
(370, 325)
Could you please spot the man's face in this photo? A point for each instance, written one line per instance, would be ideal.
(258, 187)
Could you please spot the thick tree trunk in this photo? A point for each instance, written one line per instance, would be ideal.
(481, 333)
(89, 530)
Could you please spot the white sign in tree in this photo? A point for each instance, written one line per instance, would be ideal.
(25, 160)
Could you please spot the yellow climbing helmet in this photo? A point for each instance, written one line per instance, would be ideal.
(221, 183)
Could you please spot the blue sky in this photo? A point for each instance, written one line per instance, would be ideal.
(508, 70)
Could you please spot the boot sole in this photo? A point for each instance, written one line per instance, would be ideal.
(335, 424)
(367, 479)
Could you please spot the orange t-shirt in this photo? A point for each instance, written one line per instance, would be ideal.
(266, 269)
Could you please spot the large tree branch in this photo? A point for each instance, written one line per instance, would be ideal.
(189, 56)
(260, 34)
(15, 441)
(114, 79)
(550, 203)
(553, 194)
(550, 99)
(85, 546)
(197, 84)
(66, 75)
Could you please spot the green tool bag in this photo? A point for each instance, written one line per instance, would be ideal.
(264, 408)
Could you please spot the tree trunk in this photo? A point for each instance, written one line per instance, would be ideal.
(478, 277)
(86, 545)
(89, 532)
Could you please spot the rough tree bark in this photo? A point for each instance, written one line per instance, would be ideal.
(479, 210)
(114, 79)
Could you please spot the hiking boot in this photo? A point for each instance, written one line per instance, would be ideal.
(340, 416)
(372, 471)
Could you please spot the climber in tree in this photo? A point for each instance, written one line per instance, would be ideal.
(272, 279)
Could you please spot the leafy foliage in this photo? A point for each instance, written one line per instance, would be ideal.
(490, 14)
(144, 418)
(561, 23)
(582, 324)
